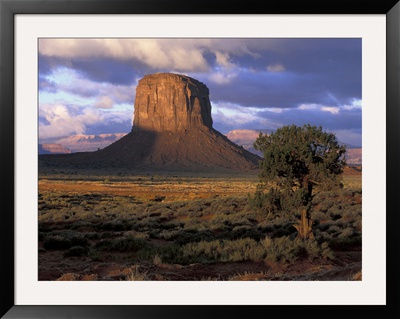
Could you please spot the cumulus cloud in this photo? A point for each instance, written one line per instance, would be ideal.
(183, 55)
(223, 59)
(230, 116)
(221, 77)
(155, 53)
(311, 106)
(326, 108)
(60, 120)
(330, 109)
(355, 104)
(105, 94)
(224, 71)
(104, 102)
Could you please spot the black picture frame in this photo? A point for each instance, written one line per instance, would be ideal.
(8, 10)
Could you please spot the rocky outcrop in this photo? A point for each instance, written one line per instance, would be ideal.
(172, 131)
(171, 102)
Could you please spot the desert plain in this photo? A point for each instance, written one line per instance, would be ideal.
(118, 226)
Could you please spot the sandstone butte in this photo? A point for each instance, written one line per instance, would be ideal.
(172, 131)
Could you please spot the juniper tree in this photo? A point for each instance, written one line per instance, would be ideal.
(297, 161)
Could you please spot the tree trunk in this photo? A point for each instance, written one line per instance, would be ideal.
(304, 226)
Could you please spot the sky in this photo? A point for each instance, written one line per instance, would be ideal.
(87, 86)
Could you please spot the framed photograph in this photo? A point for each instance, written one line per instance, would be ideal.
(196, 159)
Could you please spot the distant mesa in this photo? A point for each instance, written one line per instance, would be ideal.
(49, 148)
(246, 138)
(172, 131)
(354, 156)
(89, 142)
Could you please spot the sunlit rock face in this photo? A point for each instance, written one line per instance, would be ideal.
(172, 131)
(171, 102)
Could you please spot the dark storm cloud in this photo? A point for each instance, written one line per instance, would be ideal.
(47, 64)
(106, 70)
(312, 70)
(325, 71)
(97, 70)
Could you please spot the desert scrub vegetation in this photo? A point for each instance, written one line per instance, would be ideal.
(121, 244)
(205, 230)
(286, 250)
(279, 250)
(59, 240)
(223, 251)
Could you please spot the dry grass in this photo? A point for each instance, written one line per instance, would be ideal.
(137, 274)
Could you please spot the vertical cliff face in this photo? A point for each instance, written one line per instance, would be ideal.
(171, 102)
(172, 131)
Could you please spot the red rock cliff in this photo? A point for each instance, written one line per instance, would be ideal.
(171, 102)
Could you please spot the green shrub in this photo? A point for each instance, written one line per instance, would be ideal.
(76, 251)
(167, 254)
(326, 251)
(315, 250)
(318, 215)
(285, 250)
(169, 234)
(281, 249)
(347, 233)
(122, 244)
(223, 251)
(94, 254)
(334, 230)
